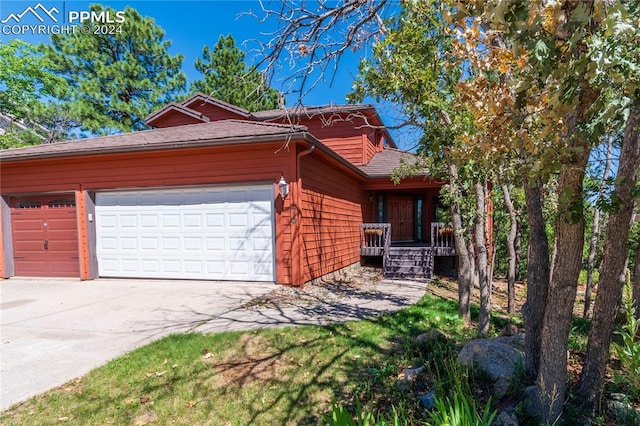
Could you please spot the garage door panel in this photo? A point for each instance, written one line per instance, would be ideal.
(170, 244)
(150, 266)
(128, 221)
(59, 267)
(129, 244)
(32, 268)
(44, 236)
(27, 247)
(28, 224)
(149, 221)
(63, 247)
(210, 233)
(215, 244)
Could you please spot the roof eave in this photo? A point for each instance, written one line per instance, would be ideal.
(175, 107)
(236, 140)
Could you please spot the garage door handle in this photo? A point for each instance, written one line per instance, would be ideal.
(46, 244)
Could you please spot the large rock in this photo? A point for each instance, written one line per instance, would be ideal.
(431, 336)
(407, 378)
(499, 360)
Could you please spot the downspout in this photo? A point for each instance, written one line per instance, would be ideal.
(297, 249)
(299, 156)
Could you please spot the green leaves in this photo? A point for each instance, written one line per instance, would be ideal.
(24, 78)
(227, 77)
(540, 50)
(116, 80)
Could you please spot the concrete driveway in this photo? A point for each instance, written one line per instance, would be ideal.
(53, 330)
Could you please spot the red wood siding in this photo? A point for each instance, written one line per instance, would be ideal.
(344, 137)
(334, 205)
(4, 273)
(215, 113)
(373, 145)
(152, 169)
(179, 167)
(174, 118)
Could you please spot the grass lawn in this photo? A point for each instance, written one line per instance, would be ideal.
(275, 377)
(284, 376)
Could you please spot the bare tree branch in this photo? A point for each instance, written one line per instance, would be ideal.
(311, 38)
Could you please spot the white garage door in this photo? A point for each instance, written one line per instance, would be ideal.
(194, 233)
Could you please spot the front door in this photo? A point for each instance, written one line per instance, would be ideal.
(401, 216)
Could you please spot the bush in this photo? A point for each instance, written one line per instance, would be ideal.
(628, 351)
(341, 417)
(461, 410)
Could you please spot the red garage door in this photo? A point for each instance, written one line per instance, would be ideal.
(45, 236)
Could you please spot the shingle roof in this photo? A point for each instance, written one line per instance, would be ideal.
(201, 97)
(225, 132)
(383, 163)
(180, 108)
(326, 111)
(310, 111)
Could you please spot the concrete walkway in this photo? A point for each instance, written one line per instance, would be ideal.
(52, 331)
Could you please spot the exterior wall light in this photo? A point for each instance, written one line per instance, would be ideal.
(284, 188)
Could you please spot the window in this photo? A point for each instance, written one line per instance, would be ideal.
(27, 204)
(419, 210)
(62, 202)
(381, 205)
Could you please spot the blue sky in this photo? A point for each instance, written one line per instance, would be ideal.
(190, 25)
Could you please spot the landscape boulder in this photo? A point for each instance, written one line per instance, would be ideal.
(498, 359)
(407, 378)
(430, 336)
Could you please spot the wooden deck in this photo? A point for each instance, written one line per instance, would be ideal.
(406, 260)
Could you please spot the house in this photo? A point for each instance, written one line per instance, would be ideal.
(218, 193)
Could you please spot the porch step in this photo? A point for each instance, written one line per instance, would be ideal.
(409, 263)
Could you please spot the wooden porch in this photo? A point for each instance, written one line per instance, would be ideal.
(406, 259)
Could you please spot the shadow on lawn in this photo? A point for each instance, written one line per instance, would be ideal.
(314, 309)
(274, 376)
(300, 371)
(297, 373)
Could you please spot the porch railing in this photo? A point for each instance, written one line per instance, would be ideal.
(375, 239)
(442, 239)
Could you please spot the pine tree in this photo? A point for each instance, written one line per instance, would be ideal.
(117, 79)
(227, 77)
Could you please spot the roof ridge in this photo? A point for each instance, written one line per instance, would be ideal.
(329, 105)
(216, 101)
(264, 123)
(402, 151)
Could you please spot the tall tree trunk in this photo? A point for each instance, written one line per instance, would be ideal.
(566, 262)
(537, 278)
(465, 268)
(595, 236)
(612, 269)
(482, 261)
(511, 250)
(636, 283)
(475, 277)
(518, 248)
